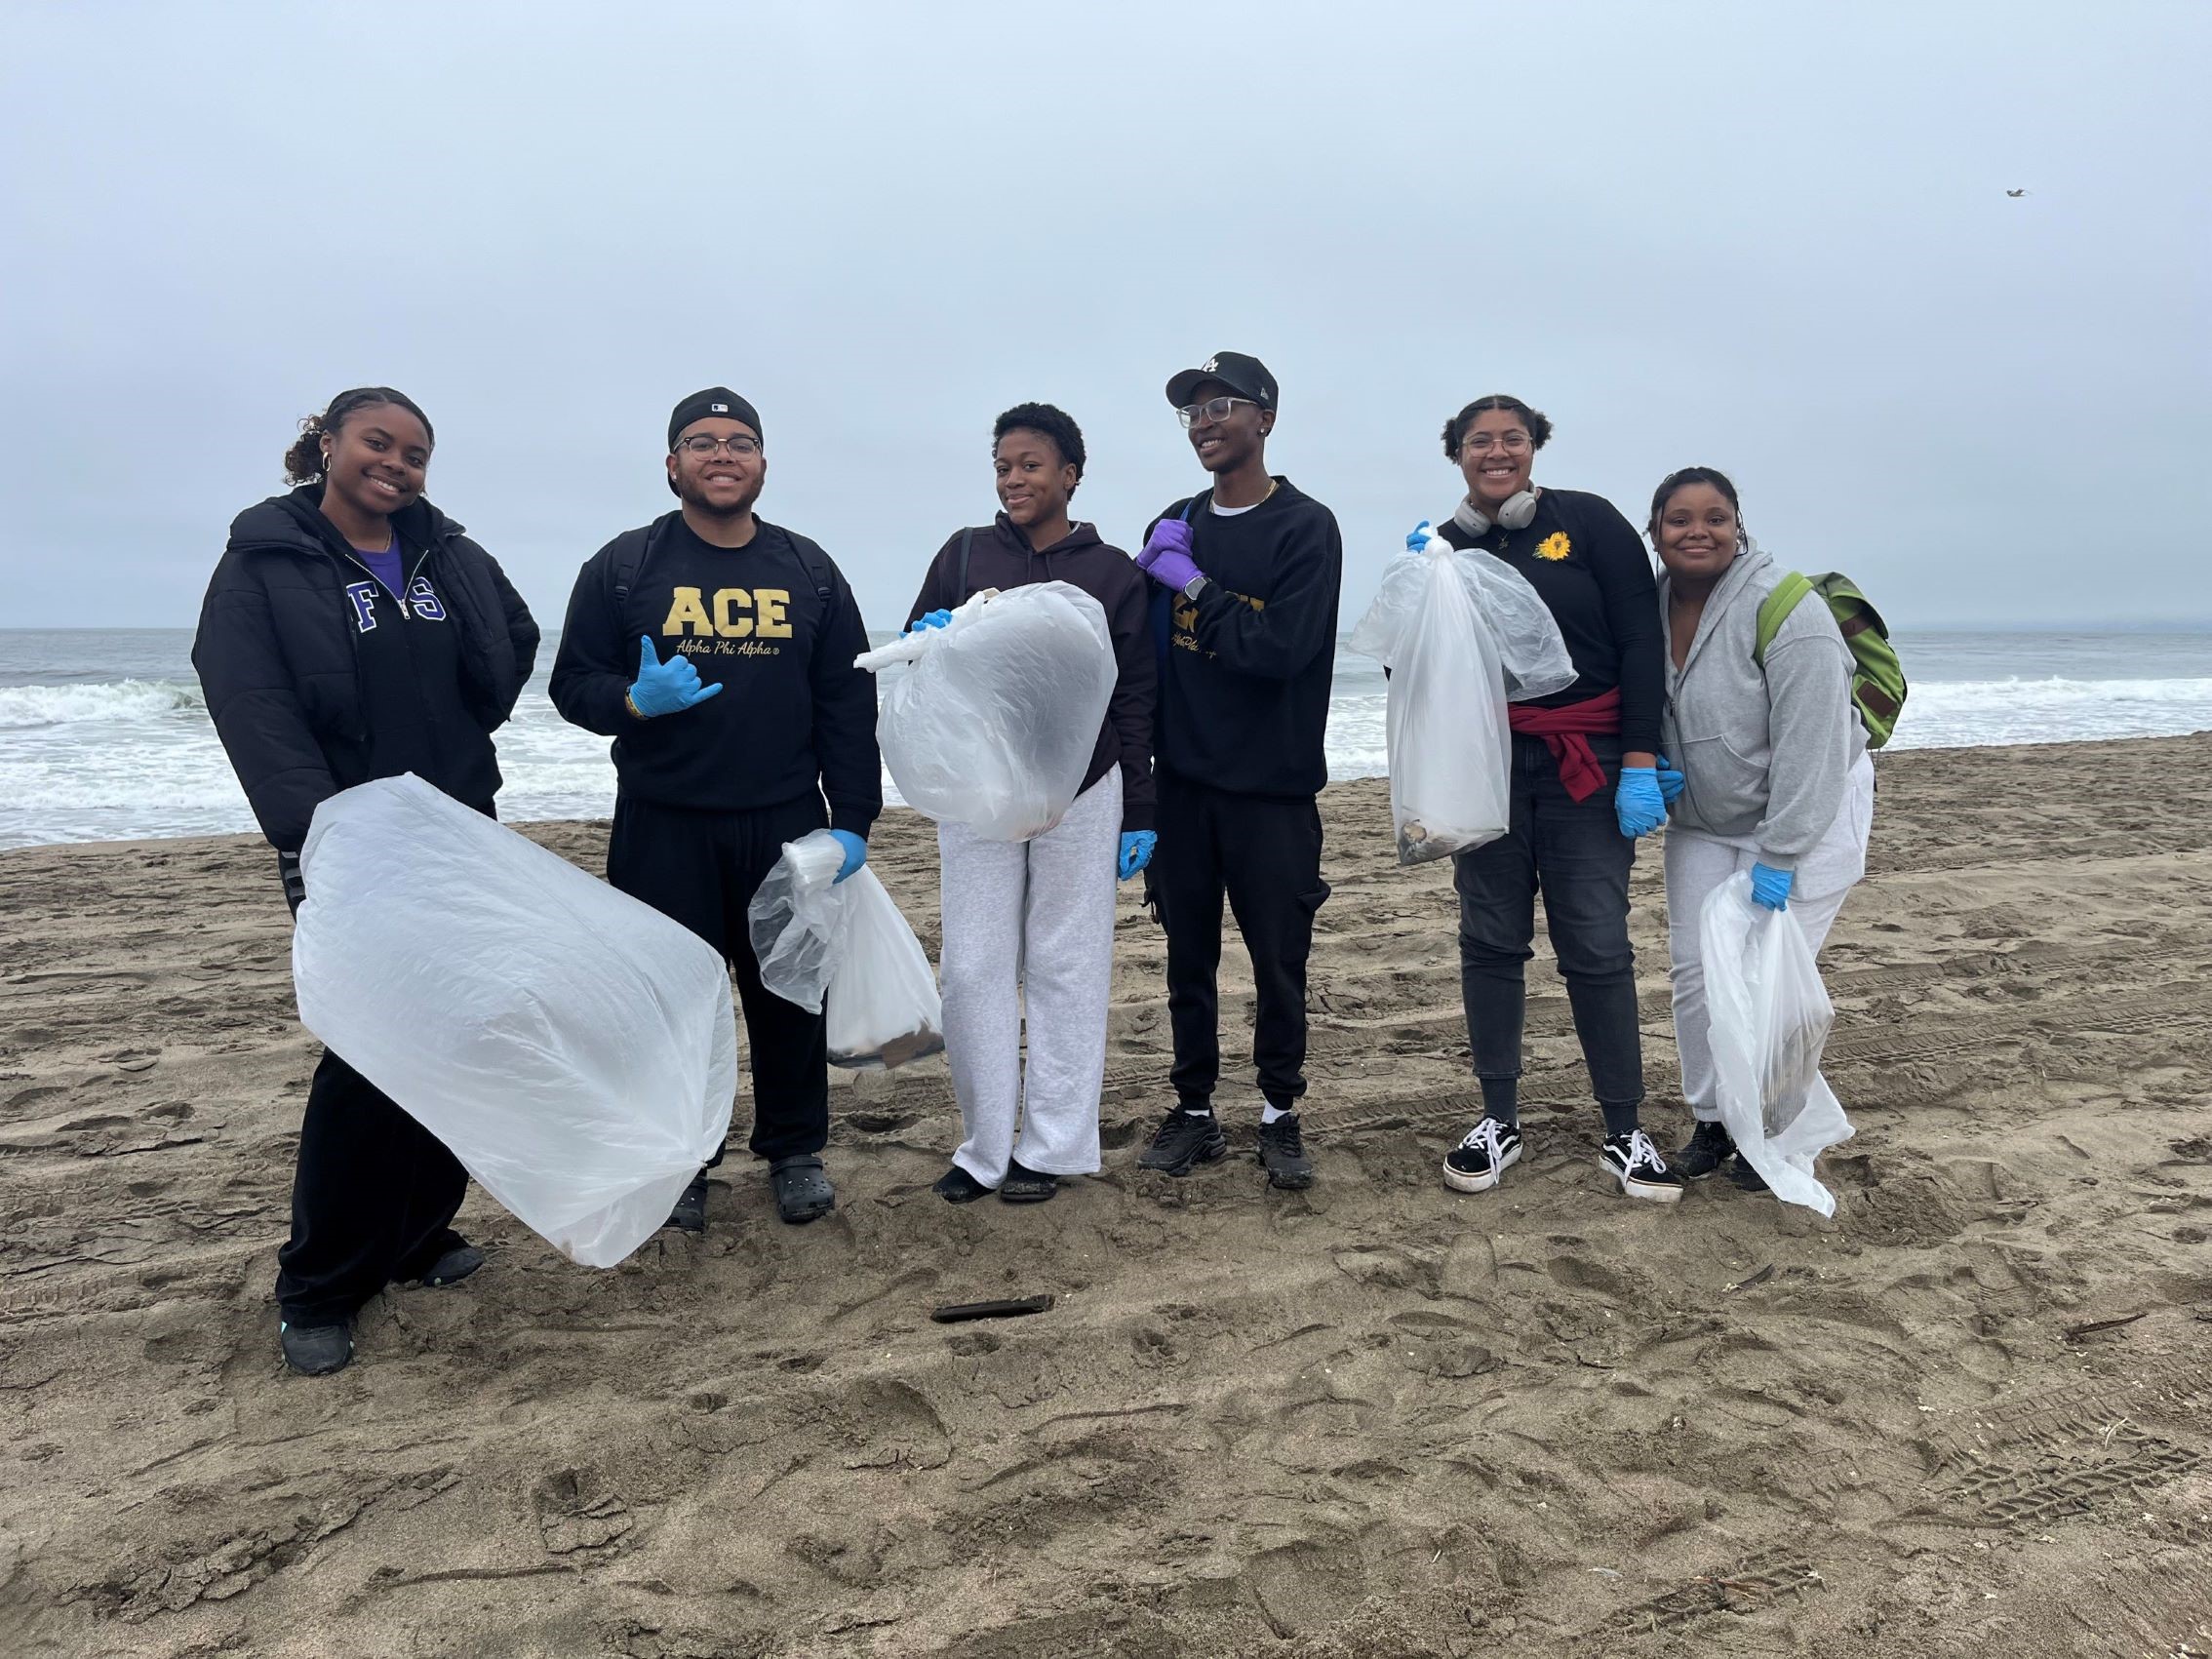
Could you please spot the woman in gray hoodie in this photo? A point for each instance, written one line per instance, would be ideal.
(1775, 775)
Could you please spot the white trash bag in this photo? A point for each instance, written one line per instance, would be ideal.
(843, 948)
(573, 1047)
(993, 724)
(1770, 1018)
(1437, 625)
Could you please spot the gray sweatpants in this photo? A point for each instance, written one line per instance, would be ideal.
(1032, 922)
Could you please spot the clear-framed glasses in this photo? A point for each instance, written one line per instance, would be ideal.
(699, 443)
(1483, 443)
(1214, 409)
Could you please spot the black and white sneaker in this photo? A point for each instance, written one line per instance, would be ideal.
(1642, 1173)
(1480, 1162)
(1706, 1150)
(1183, 1141)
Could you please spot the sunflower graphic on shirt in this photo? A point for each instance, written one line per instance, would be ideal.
(1554, 546)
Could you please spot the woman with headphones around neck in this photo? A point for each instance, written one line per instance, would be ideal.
(1777, 779)
(1584, 787)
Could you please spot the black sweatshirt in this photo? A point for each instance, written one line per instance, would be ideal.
(999, 555)
(1588, 565)
(794, 717)
(1243, 698)
(318, 677)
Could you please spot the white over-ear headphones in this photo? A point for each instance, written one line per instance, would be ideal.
(1518, 512)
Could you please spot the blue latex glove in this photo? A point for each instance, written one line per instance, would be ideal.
(1638, 805)
(855, 853)
(1136, 852)
(665, 688)
(1670, 783)
(929, 619)
(1423, 533)
(1770, 889)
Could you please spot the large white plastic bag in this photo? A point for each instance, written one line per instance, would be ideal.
(993, 722)
(573, 1047)
(792, 918)
(882, 1004)
(1770, 1018)
(1525, 633)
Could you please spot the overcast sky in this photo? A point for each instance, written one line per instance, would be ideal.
(1770, 238)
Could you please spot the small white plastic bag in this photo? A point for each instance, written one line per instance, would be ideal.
(794, 917)
(881, 1003)
(1770, 1018)
(995, 719)
(572, 1048)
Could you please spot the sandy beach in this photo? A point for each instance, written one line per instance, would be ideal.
(1971, 1415)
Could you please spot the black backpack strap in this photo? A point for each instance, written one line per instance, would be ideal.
(967, 542)
(820, 571)
(1191, 506)
(636, 548)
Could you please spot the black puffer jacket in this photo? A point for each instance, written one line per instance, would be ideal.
(280, 654)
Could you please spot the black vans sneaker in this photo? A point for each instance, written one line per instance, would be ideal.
(1706, 1150)
(1282, 1151)
(1183, 1141)
(1642, 1172)
(1480, 1162)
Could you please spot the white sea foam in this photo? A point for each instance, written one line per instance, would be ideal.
(133, 757)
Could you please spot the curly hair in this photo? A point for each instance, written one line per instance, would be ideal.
(303, 461)
(1538, 424)
(1683, 480)
(1053, 424)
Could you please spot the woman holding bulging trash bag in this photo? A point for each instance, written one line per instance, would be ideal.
(1777, 781)
(351, 632)
(1585, 785)
(1031, 924)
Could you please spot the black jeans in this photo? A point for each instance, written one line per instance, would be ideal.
(372, 1200)
(702, 869)
(1264, 855)
(1574, 854)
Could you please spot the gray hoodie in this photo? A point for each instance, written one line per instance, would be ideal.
(1762, 755)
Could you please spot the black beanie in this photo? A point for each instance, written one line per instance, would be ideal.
(714, 401)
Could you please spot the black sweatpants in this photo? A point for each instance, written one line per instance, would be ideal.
(1264, 855)
(372, 1200)
(702, 869)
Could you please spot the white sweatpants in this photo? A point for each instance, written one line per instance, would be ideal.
(1697, 863)
(1030, 921)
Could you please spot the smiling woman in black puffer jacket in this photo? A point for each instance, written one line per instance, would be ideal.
(352, 632)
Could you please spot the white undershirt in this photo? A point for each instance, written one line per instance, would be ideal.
(1220, 511)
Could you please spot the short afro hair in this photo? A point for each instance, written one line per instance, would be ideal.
(1539, 425)
(1053, 424)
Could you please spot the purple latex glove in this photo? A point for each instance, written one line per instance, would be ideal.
(1166, 555)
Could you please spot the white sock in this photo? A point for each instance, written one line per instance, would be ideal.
(1198, 1111)
(1270, 1112)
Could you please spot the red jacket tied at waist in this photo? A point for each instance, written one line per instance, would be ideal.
(1566, 733)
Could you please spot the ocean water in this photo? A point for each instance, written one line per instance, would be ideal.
(103, 734)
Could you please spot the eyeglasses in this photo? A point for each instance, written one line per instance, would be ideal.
(1483, 443)
(1214, 409)
(703, 445)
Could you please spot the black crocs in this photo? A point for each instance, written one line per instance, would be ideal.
(803, 1191)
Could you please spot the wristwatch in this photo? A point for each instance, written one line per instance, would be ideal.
(1194, 587)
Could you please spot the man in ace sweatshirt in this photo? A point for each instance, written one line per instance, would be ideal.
(1248, 574)
(716, 649)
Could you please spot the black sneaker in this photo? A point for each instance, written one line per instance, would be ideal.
(1480, 1162)
(1183, 1141)
(1746, 1178)
(1642, 1173)
(1282, 1151)
(315, 1350)
(956, 1186)
(1706, 1150)
(455, 1264)
(689, 1214)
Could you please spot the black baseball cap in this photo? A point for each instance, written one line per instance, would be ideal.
(714, 402)
(1247, 377)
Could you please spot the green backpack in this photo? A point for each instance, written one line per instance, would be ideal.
(1877, 678)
